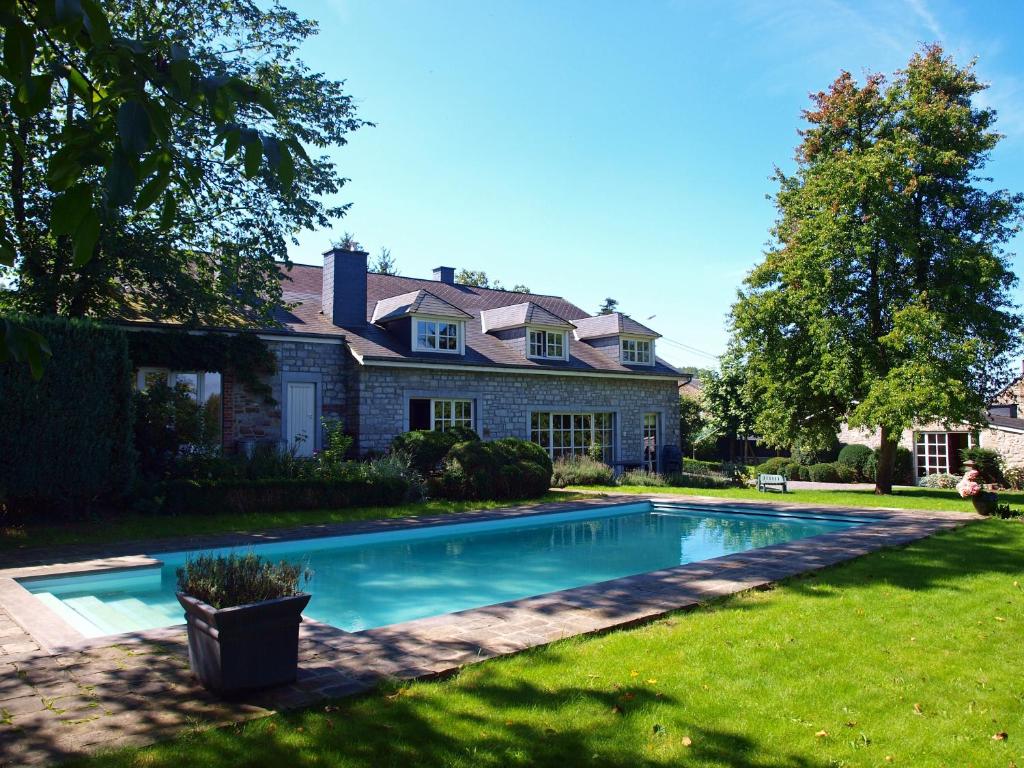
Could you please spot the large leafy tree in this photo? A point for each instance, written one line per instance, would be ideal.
(884, 301)
(155, 156)
(726, 398)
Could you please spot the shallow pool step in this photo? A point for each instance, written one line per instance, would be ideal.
(143, 616)
(109, 619)
(70, 615)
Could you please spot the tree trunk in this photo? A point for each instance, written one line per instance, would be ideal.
(886, 461)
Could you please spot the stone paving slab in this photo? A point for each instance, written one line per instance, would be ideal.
(135, 689)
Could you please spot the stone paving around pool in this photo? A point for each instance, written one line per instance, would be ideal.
(61, 696)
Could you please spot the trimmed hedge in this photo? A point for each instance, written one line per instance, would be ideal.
(509, 468)
(823, 473)
(66, 439)
(248, 496)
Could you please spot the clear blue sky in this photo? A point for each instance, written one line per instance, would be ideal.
(620, 149)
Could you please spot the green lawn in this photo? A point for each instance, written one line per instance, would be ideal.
(907, 657)
(133, 527)
(908, 498)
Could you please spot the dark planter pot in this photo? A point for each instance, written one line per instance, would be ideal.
(233, 650)
(985, 503)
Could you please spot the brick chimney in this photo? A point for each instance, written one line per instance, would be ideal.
(445, 275)
(344, 291)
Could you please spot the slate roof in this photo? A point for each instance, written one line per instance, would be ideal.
(518, 315)
(414, 303)
(1005, 422)
(303, 286)
(612, 324)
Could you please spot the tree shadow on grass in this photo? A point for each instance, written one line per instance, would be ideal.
(400, 728)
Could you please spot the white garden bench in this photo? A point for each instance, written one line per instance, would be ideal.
(765, 482)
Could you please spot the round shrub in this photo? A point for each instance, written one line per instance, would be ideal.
(426, 448)
(856, 458)
(823, 473)
(774, 465)
(509, 468)
(791, 469)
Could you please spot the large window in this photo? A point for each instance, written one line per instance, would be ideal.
(573, 434)
(440, 414)
(547, 344)
(939, 452)
(438, 336)
(637, 351)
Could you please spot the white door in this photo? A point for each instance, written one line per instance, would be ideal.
(300, 429)
(651, 442)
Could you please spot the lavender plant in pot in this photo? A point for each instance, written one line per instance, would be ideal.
(243, 616)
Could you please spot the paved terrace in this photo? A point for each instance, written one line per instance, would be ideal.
(61, 695)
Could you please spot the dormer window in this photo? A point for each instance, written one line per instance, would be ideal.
(437, 335)
(547, 344)
(637, 351)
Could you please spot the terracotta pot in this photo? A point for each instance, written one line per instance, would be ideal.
(246, 647)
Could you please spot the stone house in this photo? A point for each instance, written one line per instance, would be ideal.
(936, 447)
(387, 354)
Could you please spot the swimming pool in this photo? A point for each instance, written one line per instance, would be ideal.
(370, 580)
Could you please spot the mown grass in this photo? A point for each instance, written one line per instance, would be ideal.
(136, 527)
(906, 657)
(905, 498)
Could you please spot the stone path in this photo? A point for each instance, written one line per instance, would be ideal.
(56, 703)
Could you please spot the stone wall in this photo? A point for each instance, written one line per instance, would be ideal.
(250, 417)
(504, 402)
(1010, 445)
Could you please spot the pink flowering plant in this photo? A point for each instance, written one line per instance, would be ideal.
(969, 485)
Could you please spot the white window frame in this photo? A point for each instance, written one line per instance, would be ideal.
(636, 342)
(650, 428)
(547, 335)
(199, 393)
(460, 334)
(449, 422)
(570, 432)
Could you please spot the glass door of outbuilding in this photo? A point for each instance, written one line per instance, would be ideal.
(651, 440)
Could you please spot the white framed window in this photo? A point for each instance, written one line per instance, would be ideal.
(447, 414)
(637, 351)
(440, 413)
(574, 434)
(650, 442)
(548, 345)
(200, 385)
(437, 335)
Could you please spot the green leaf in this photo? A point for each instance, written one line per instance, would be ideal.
(119, 181)
(253, 157)
(133, 127)
(33, 95)
(232, 143)
(169, 211)
(69, 15)
(64, 168)
(96, 22)
(19, 49)
(7, 253)
(24, 345)
(286, 168)
(69, 209)
(80, 86)
(85, 238)
(151, 192)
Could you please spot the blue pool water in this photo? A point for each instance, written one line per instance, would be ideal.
(369, 580)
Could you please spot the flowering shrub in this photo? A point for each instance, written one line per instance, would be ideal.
(938, 480)
(969, 485)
